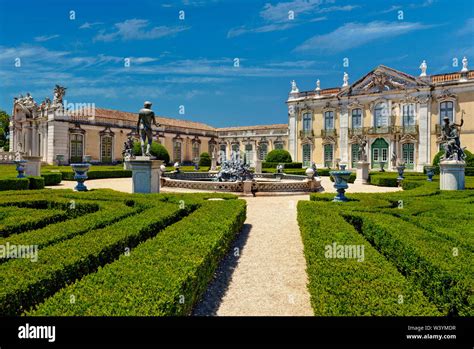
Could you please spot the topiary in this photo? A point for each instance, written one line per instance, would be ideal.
(205, 159)
(156, 149)
(278, 155)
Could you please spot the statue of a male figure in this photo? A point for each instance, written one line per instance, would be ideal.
(450, 136)
(146, 118)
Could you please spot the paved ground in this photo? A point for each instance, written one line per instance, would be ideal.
(264, 273)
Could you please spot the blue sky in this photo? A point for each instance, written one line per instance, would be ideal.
(190, 62)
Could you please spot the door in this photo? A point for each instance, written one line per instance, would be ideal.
(379, 150)
(106, 150)
(328, 155)
(77, 146)
(306, 155)
(408, 155)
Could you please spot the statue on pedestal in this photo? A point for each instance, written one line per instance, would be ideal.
(452, 143)
(146, 118)
(362, 151)
(128, 149)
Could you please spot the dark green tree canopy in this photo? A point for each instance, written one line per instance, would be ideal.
(278, 155)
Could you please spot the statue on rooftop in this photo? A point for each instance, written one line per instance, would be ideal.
(146, 118)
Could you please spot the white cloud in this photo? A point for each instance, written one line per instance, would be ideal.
(279, 11)
(44, 38)
(352, 35)
(346, 8)
(88, 25)
(468, 27)
(137, 29)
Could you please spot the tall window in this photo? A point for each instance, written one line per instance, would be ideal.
(196, 150)
(77, 147)
(446, 109)
(356, 118)
(328, 155)
(329, 120)
(278, 145)
(177, 151)
(263, 151)
(381, 115)
(222, 152)
(307, 121)
(106, 149)
(355, 154)
(235, 150)
(306, 155)
(408, 111)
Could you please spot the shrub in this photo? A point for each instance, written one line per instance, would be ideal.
(205, 160)
(14, 184)
(175, 265)
(156, 149)
(51, 178)
(347, 286)
(278, 155)
(36, 182)
(383, 180)
(99, 174)
(408, 185)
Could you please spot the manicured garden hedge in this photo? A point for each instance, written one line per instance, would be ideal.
(51, 178)
(24, 284)
(346, 286)
(14, 184)
(287, 165)
(165, 275)
(99, 174)
(36, 182)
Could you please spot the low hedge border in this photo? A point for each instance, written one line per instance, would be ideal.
(376, 286)
(36, 182)
(98, 174)
(425, 258)
(266, 164)
(51, 178)
(166, 275)
(14, 184)
(24, 284)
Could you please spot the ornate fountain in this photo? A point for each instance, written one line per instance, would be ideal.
(234, 170)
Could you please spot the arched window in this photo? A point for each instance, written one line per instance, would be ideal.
(329, 120)
(356, 118)
(307, 122)
(381, 115)
(106, 149)
(263, 151)
(306, 155)
(177, 150)
(196, 151)
(77, 147)
(446, 109)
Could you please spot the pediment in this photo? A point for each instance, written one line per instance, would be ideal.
(383, 79)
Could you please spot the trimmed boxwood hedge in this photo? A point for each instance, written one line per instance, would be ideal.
(345, 286)
(266, 164)
(24, 284)
(51, 178)
(352, 178)
(36, 182)
(165, 275)
(14, 184)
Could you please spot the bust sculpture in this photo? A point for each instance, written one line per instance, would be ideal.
(146, 118)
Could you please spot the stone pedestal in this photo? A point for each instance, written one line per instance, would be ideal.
(452, 175)
(362, 173)
(258, 166)
(145, 175)
(247, 187)
(33, 166)
(213, 164)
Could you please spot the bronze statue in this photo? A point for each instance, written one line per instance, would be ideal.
(452, 144)
(146, 118)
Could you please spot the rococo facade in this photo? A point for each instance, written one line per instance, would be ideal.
(397, 114)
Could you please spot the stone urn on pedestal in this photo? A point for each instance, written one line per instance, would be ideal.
(400, 169)
(430, 171)
(80, 175)
(20, 168)
(341, 178)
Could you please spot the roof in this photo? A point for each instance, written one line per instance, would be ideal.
(127, 116)
(256, 127)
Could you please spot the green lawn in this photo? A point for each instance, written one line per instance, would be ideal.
(119, 254)
(418, 247)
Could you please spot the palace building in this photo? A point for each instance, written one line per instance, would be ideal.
(52, 132)
(397, 114)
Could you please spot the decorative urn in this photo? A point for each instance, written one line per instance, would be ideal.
(430, 171)
(341, 178)
(80, 175)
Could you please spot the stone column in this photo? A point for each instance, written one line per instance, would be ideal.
(145, 175)
(292, 137)
(423, 157)
(33, 166)
(343, 135)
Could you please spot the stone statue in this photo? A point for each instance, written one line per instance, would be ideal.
(452, 143)
(280, 168)
(345, 80)
(59, 93)
(146, 118)
(394, 159)
(318, 85)
(315, 170)
(464, 65)
(234, 170)
(294, 88)
(362, 151)
(423, 68)
(128, 148)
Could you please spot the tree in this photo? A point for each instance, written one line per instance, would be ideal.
(278, 155)
(4, 130)
(156, 149)
(205, 160)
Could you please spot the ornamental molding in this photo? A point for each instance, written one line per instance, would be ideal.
(408, 138)
(329, 140)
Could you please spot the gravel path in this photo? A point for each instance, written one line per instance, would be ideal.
(268, 275)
